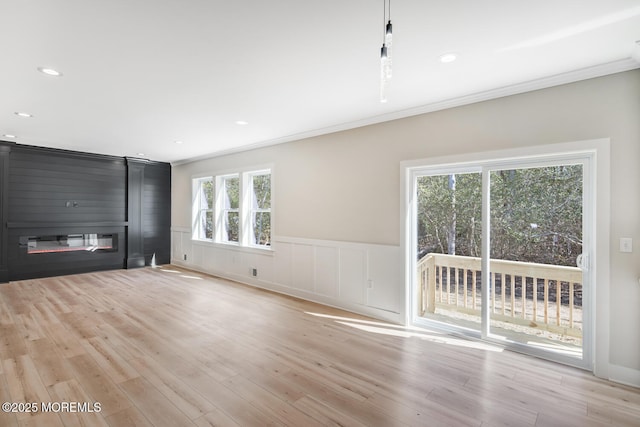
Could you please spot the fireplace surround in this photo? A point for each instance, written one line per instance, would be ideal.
(92, 242)
(65, 212)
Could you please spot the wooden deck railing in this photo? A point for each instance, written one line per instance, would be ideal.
(533, 295)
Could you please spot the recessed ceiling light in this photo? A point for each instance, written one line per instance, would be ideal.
(8, 135)
(448, 57)
(21, 114)
(241, 122)
(50, 71)
(140, 154)
(177, 142)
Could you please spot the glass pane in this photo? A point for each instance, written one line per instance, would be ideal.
(206, 225)
(205, 187)
(262, 191)
(449, 243)
(209, 225)
(232, 226)
(536, 236)
(207, 191)
(232, 189)
(262, 228)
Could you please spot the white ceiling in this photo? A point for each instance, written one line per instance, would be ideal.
(141, 74)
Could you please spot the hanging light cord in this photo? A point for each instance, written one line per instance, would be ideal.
(389, 10)
(385, 51)
(384, 20)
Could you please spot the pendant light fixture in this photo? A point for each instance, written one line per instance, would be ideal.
(386, 50)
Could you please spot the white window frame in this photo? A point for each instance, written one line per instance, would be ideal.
(222, 209)
(250, 210)
(197, 210)
(245, 210)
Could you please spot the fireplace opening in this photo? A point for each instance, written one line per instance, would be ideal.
(70, 243)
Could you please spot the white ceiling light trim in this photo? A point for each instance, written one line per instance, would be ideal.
(23, 114)
(50, 71)
(448, 57)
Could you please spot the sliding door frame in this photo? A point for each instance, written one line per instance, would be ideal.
(585, 153)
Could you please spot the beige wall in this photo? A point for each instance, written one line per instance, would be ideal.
(346, 186)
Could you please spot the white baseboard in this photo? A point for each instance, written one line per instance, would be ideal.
(360, 277)
(624, 375)
(364, 310)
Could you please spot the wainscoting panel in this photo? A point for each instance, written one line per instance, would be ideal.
(385, 271)
(283, 273)
(326, 271)
(303, 266)
(359, 277)
(264, 265)
(353, 272)
(197, 256)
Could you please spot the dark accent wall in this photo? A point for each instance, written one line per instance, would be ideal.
(51, 192)
(5, 151)
(156, 213)
(135, 239)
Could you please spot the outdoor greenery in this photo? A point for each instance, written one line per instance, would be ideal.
(231, 208)
(536, 214)
(261, 212)
(206, 209)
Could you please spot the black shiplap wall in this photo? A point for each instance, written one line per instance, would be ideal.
(156, 212)
(54, 192)
(42, 183)
(5, 152)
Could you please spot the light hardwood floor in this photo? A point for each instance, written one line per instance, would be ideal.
(169, 347)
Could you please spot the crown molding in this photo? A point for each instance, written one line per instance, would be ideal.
(614, 67)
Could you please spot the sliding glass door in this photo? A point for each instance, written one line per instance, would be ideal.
(501, 252)
(536, 239)
(449, 238)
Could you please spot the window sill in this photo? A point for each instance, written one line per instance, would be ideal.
(262, 250)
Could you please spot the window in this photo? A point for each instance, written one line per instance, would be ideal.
(233, 208)
(203, 209)
(230, 208)
(261, 208)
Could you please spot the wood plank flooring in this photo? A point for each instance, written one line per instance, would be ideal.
(170, 347)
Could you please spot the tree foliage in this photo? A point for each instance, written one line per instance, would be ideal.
(536, 214)
(261, 220)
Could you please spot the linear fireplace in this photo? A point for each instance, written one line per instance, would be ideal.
(65, 212)
(70, 243)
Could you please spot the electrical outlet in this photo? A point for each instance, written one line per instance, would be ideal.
(254, 272)
(185, 256)
(626, 244)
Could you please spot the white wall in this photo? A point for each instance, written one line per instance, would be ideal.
(343, 189)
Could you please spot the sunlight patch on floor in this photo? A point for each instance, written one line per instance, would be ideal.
(406, 332)
(439, 339)
(569, 351)
(365, 322)
(181, 273)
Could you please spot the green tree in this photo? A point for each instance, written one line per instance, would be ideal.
(536, 214)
